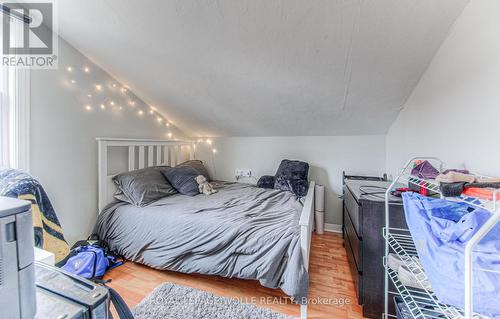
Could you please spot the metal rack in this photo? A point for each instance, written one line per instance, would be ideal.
(423, 303)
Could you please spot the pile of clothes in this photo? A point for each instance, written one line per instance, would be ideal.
(48, 233)
(453, 182)
(441, 230)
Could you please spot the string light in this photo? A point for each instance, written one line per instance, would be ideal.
(102, 106)
(209, 141)
(169, 134)
(214, 150)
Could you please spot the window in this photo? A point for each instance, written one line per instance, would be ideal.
(14, 114)
(4, 121)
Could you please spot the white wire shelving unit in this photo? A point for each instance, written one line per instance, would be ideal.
(423, 303)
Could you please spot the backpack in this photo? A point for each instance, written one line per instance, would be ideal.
(90, 259)
(87, 261)
(120, 305)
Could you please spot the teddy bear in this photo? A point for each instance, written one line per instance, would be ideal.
(204, 186)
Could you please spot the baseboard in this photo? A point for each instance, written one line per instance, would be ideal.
(333, 228)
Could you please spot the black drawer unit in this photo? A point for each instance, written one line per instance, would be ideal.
(351, 204)
(353, 238)
(363, 220)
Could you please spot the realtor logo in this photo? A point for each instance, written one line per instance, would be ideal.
(29, 35)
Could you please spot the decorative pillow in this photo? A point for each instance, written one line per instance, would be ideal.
(183, 179)
(198, 166)
(142, 186)
(292, 176)
(295, 185)
(266, 181)
(293, 169)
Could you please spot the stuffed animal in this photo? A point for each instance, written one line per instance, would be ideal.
(204, 186)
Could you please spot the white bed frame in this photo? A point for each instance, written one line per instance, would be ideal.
(146, 153)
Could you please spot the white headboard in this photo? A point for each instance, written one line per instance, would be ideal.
(141, 153)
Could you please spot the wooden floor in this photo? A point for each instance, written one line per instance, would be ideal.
(331, 290)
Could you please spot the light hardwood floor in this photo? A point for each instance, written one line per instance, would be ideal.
(330, 283)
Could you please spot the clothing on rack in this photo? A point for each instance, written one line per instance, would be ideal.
(441, 230)
(457, 188)
(487, 180)
(463, 171)
(425, 170)
(483, 185)
(402, 311)
(483, 193)
(453, 177)
(398, 192)
(452, 189)
(407, 278)
(399, 264)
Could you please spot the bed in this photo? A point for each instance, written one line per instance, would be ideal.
(241, 231)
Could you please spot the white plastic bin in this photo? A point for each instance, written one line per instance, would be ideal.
(320, 222)
(319, 208)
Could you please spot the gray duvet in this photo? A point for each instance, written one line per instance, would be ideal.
(242, 231)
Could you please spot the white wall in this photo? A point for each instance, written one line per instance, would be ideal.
(63, 152)
(327, 156)
(454, 111)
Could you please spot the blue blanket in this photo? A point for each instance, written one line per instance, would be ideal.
(47, 229)
(441, 230)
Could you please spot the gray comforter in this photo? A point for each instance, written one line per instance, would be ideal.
(242, 231)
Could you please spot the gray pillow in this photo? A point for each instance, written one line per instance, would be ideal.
(198, 166)
(142, 186)
(183, 179)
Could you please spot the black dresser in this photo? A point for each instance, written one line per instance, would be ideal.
(363, 220)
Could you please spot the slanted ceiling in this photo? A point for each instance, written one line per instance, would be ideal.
(265, 67)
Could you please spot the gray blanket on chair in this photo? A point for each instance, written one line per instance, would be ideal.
(242, 231)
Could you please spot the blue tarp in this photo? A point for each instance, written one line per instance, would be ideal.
(441, 230)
